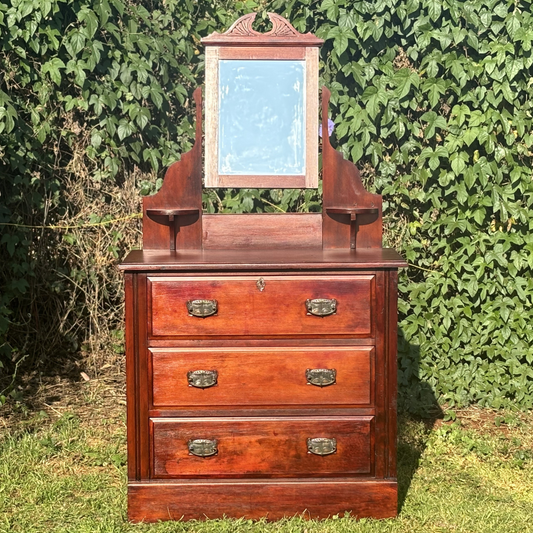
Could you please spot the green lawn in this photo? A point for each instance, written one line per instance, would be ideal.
(62, 469)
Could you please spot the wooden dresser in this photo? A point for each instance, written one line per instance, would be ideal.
(261, 354)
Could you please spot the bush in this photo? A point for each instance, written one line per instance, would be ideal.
(431, 98)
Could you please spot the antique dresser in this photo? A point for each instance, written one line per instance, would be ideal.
(261, 348)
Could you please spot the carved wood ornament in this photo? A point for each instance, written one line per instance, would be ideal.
(281, 34)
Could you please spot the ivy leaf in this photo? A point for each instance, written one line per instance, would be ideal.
(374, 96)
(340, 38)
(433, 121)
(331, 8)
(75, 42)
(125, 129)
(479, 215)
(461, 112)
(457, 162)
(512, 24)
(434, 89)
(91, 22)
(403, 80)
(143, 118)
(470, 135)
(434, 9)
(347, 19)
(513, 66)
(52, 68)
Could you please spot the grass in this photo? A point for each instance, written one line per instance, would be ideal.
(62, 469)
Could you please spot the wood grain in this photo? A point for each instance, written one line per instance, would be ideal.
(262, 52)
(263, 259)
(211, 116)
(277, 310)
(150, 502)
(241, 33)
(342, 187)
(262, 447)
(182, 189)
(261, 230)
(311, 118)
(261, 376)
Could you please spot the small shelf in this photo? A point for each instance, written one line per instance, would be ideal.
(352, 212)
(172, 212)
(172, 216)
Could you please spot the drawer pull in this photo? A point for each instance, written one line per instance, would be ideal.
(321, 306)
(321, 377)
(202, 308)
(203, 447)
(202, 379)
(322, 446)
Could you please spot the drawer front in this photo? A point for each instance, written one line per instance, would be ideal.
(264, 447)
(262, 376)
(277, 305)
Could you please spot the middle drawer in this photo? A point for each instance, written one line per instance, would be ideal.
(230, 377)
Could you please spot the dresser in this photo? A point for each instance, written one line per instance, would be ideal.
(261, 353)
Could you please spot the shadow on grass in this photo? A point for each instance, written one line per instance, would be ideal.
(418, 411)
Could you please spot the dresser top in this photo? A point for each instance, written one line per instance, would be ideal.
(262, 259)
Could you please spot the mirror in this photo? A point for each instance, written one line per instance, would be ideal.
(261, 123)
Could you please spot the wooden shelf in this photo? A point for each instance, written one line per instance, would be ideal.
(352, 212)
(172, 216)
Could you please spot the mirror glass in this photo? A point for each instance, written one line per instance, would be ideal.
(261, 128)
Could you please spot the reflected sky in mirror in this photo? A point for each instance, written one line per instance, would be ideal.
(261, 117)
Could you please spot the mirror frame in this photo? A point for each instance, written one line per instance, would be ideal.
(281, 43)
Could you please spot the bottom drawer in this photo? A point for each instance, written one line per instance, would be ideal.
(261, 447)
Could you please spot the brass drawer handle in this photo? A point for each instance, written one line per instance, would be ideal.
(202, 379)
(321, 377)
(202, 308)
(203, 447)
(321, 306)
(322, 446)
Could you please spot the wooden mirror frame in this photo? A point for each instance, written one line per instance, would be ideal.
(242, 42)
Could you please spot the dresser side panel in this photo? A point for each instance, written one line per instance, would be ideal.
(392, 368)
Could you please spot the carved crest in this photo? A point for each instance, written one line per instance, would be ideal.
(282, 32)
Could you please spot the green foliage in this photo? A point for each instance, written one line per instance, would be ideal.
(92, 90)
(437, 98)
(432, 100)
(68, 475)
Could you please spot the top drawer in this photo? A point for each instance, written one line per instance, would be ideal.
(262, 306)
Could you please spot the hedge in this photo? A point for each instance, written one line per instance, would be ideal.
(431, 99)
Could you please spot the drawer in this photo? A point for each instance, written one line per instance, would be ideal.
(265, 447)
(262, 376)
(243, 307)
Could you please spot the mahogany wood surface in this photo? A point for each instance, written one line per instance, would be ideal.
(262, 259)
(261, 447)
(279, 309)
(264, 52)
(261, 376)
(261, 340)
(182, 189)
(392, 369)
(261, 230)
(342, 187)
(261, 181)
(275, 499)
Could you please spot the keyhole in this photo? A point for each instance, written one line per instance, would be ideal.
(261, 284)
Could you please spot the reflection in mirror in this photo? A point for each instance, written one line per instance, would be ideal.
(261, 117)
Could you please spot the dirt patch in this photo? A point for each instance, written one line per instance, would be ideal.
(100, 397)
